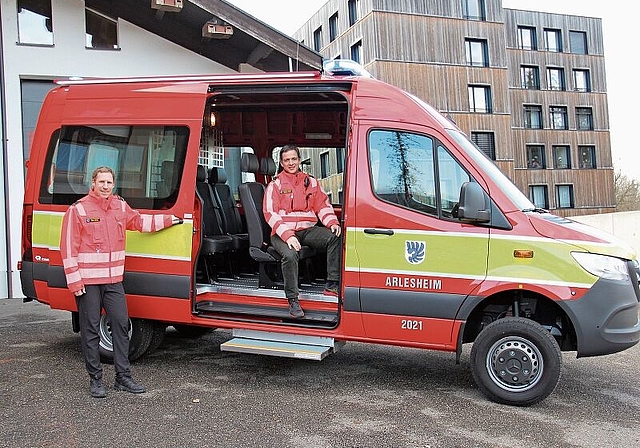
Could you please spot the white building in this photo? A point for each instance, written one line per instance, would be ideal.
(43, 40)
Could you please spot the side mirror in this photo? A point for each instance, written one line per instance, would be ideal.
(473, 204)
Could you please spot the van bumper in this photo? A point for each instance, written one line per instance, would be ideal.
(606, 318)
(26, 280)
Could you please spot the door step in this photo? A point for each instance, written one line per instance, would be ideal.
(281, 344)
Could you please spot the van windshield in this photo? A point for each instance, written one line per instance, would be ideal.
(487, 166)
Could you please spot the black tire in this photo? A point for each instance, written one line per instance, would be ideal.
(516, 361)
(191, 331)
(140, 335)
(159, 330)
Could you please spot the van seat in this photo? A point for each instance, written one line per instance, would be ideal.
(231, 221)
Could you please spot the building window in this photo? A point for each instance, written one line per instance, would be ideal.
(552, 40)
(530, 77)
(562, 157)
(558, 116)
(564, 196)
(485, 141)
(339, 160)
(353, 12)
(324, 165)
(539, 195)
(578, 40)
(584, 118)
(527, 38)
(102, 32)
(35, 24)
(581, 80)
(587, 156)
(532, 116)
(555, 78)
(480, 99)
(477, 53)
(317, 39)
(535, 157)
(333, 27)
(356, 49)
(473, 10)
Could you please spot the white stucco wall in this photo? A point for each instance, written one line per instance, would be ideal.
(624, 225)
(141, 53)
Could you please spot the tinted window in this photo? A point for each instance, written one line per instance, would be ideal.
(147, 160)
(403, 171)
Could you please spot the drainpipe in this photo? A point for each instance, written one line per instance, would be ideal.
(5, 166)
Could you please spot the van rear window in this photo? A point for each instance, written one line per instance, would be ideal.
(147, 160)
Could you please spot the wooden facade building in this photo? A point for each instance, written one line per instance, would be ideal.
(528, 87)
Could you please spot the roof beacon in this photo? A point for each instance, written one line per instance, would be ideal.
(344, 67)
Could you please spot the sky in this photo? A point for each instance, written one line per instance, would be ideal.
(623, 91)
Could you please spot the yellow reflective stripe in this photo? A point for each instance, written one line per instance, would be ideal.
(69, 262)
(74, 277)
(158, 221)
(94, 272)
(146, 223)
(172, 243)
(98, 257)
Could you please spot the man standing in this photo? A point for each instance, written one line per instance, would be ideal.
(92, 246)
(293, 203)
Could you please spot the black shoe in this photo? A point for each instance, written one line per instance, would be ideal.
(97, 388)
(127, 384)
(332, 288)
(295, 309)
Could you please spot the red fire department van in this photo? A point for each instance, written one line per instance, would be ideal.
(439, 247)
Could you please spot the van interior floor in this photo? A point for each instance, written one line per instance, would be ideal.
(245, 301)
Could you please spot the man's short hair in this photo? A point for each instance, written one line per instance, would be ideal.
(102, 169)
(287, 148)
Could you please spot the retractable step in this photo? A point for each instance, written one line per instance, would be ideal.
(281, 344)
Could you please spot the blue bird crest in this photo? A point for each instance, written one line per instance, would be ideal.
(415, 251)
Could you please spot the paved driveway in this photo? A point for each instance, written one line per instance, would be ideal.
(362, 396)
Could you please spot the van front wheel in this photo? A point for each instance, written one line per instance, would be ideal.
(516, 361)
(140, 335)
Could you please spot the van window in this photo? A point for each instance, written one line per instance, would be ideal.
(147, 160)
(411, 170)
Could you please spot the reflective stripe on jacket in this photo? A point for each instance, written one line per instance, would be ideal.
(295, 202)
(92, 241)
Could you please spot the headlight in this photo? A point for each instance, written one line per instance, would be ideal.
(603, 266)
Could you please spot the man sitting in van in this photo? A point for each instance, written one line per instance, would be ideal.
(293, 203)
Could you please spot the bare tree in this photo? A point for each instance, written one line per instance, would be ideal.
(627, 192)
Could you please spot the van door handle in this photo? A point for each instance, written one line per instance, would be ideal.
(379, 231)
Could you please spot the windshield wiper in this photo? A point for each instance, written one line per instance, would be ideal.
(535, 210)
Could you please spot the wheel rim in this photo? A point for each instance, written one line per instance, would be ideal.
(106, 340)
(514, 364)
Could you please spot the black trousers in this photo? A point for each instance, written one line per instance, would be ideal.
(111, 298)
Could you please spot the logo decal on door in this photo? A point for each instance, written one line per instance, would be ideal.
(415, 251)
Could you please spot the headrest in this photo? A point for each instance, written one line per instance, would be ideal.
(167, 168)
(217, 175)
(267, 166)
(201, 174)
(249, 163)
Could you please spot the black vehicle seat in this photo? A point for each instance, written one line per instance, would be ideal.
(231, 221)
(214, 242)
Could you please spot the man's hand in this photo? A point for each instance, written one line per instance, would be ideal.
(336, 229)
(80, 292)
(294, 244)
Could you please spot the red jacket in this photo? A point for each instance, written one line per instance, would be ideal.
(92, 241)
(295, 202)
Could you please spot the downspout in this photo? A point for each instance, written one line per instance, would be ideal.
(5, 165)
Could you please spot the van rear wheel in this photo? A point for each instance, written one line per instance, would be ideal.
(141, 333)
(516, 361)
(191, 331)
